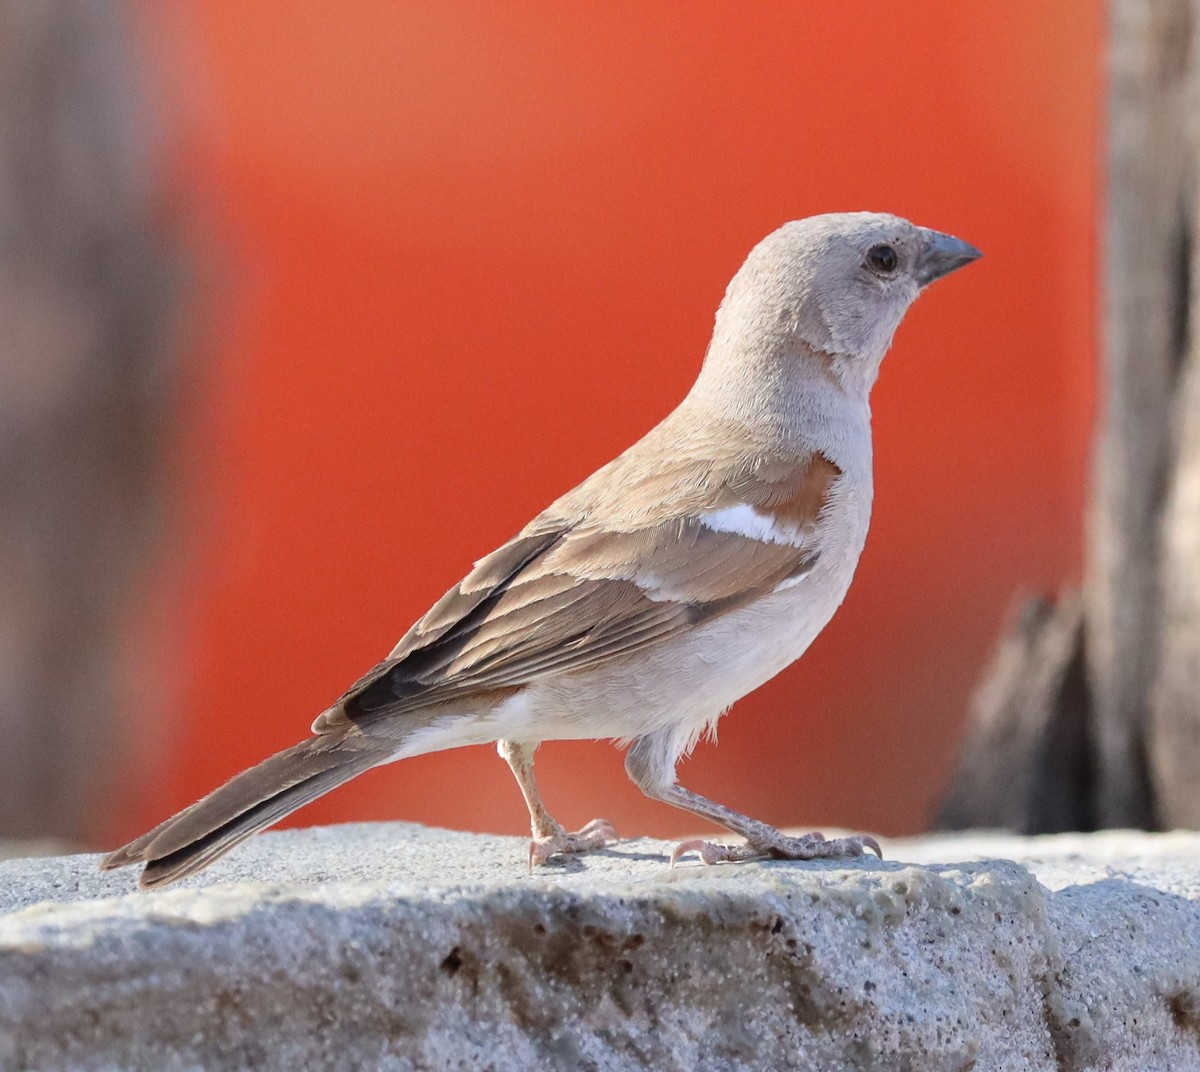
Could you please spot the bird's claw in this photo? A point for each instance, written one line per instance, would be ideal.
(711, 853)
(814, 846)
(594, 835)
(868, 842)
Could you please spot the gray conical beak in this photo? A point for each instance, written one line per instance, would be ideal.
(943, 253)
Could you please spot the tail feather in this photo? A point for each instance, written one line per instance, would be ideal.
(253, 800)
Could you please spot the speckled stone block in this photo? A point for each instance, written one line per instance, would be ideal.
(396, 947)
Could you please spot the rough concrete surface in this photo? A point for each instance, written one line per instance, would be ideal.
(395, 947)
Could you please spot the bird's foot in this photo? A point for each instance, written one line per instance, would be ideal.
(812, 846)
(595, 835)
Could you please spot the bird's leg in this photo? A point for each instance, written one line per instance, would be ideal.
(549, 837)
(654, 773)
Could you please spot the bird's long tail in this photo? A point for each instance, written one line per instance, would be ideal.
(256, 798)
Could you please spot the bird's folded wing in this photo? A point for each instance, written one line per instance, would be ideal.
(588, 582)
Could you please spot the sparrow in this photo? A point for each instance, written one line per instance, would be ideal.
(646, 601)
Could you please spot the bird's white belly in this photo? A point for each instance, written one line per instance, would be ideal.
(685, 684)
(691, 680)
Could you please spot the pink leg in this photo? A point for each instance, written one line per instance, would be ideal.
(549, 837)
(645, 767)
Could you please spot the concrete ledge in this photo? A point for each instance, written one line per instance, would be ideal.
(395, 947)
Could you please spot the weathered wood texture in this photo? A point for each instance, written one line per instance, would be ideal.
(1173, 751)
(86, 384)
(1139, 728)
(1026, 764)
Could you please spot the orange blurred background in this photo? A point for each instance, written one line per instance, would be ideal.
(459, 254)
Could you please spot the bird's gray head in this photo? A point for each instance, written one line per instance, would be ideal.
(837, 284)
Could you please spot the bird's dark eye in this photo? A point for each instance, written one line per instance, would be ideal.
(882, 259)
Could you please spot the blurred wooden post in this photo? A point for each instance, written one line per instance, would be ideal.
(86, 385)
(1134, 736)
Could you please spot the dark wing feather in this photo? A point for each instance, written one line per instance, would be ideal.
(584, 584)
